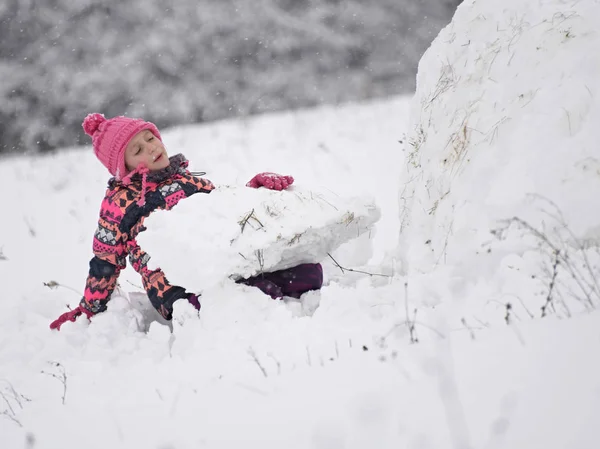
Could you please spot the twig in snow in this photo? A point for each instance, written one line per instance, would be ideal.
(61, 376)
(416, 143)
(244, 221)
(410, 325)
(469, 328)
(492, 133)
(593, 277)
(255, 358)
(530, 99)
(136, 286)
(277, 362)
(320, 197)
(568, 120)
(295, 239)
(11, 417)
(562, 17)
(261, 259)
(508, 309)
(356, 271)
(552, 282)
(2, 256)
(415, 322)
(348, 218)
(53, 285)
(10, 411)
(517, 297)
(17, 398)
(525, 307)
(446, 80)
(586, 282)
(486, 325)
(32, 232)
(564, 304)
(493, 60)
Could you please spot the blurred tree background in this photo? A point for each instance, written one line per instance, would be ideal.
(184, 61)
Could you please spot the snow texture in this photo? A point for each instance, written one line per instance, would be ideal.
(442, 345)
(503, 164)
(255, 231)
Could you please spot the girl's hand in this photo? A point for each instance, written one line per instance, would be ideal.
(271, 181)
(69, 316)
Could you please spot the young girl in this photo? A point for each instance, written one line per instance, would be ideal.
(146, 179)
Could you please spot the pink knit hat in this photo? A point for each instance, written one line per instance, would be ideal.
(110, 138)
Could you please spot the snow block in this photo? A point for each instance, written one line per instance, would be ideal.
(239, 232)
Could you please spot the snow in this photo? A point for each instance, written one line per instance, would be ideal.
(255, 230)
(506, 102)
(426, 353)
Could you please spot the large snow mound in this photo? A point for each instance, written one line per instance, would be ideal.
(251, 231)
(503, 170)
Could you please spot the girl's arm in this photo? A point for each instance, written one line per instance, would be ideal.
(161, 293)
(110, 250)
(109, 259)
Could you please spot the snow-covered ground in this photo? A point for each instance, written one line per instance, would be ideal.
(446, 349)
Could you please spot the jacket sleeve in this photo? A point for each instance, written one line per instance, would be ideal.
(161, 293)
(109, 247)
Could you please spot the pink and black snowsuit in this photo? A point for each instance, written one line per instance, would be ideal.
(122, 214)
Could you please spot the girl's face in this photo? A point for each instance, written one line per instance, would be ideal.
(147, 148)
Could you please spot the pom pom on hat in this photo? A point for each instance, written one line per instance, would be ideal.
(92, 122)
(110, 137)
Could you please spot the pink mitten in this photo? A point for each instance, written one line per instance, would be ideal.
(271, 181)
(69, 316)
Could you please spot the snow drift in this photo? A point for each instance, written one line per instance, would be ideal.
(503, 170)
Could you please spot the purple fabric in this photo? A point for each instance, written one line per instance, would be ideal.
(194, 300)
(292, 282)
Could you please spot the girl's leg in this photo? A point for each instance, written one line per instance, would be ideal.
(292, 282)
(298, 280)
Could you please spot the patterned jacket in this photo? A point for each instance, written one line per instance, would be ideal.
(121, 220)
